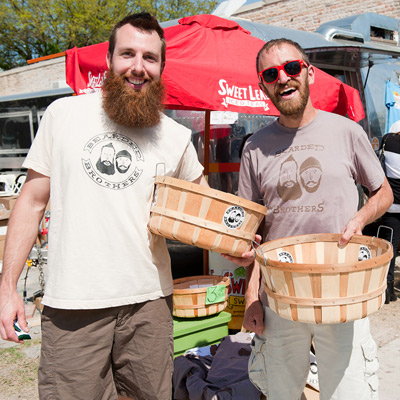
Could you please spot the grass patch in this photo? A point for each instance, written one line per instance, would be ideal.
(18, 373)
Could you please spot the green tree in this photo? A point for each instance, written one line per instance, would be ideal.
(36, 28)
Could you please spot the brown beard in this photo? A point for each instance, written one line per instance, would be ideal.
(130, 108)
(291, 107)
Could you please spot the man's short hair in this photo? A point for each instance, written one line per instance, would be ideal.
(278, 42)
(143, 21)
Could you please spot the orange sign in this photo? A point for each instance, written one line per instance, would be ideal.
(375, 143)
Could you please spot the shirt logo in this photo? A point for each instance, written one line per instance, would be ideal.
(294, 180)
(111, 160)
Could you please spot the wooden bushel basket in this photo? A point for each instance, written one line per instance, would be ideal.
(194, 296)
(310, 279)
(204, 217)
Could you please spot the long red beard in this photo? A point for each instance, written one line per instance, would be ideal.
(130, 108)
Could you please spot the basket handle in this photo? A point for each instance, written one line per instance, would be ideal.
(256, 246)
(387, 227)
(154, 192)
(157, 168)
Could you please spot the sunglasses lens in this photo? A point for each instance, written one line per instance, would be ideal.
(293, 68)
(270, 75)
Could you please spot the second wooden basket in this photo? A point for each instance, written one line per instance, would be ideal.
(311, 279)
(204, 217)
(200, 296)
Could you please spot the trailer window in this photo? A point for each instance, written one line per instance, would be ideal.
(16, 131)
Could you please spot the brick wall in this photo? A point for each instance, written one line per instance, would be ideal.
(44, 75)
(309, 15)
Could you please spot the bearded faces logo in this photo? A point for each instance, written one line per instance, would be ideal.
(112, 160)
(293, 180)
(310, 174)
(288, 185)
(105, 163)
(123, 161)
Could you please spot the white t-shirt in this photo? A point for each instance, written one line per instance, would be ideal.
(395, 127)
(101, 253)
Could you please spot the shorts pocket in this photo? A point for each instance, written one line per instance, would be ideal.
(371, 365)
(257, 364)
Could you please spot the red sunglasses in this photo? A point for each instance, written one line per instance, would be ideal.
(291, 68)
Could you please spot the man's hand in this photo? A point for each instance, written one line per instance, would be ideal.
(254, 317)
(22, 231)
(11, 309)
(377, 204)
(354, 227)
(247, 258)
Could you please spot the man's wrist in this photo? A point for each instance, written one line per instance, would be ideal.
(251, 298)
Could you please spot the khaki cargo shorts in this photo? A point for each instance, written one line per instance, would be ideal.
(99, 354)
(346, 359)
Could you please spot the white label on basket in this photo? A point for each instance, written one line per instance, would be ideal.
(234, 217)
(285, 257)
(197, 286)
(364, 253)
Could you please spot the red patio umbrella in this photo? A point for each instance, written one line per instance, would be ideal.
(211, 66)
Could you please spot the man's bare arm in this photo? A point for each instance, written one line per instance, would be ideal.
(22, 233)
(377, 204)
(254, 314)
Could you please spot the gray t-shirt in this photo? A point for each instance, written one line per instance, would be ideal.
(307, 176)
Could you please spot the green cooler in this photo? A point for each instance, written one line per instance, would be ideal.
(199, 332)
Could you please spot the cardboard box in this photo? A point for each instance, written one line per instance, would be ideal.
(8, 201)
(2, 243)
(198, 332)
(38, 303)
(4, 216)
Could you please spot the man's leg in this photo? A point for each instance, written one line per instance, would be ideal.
(143, 351)
(75, 358)
(280, 359)
(392, 220)
(347, 361)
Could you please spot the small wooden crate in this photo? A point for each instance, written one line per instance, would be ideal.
(311, 279)
(190, 296)
(204, 217)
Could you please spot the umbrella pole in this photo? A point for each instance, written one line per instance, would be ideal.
(207, 131)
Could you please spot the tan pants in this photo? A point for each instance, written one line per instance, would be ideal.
(97, 354)
(346, 359)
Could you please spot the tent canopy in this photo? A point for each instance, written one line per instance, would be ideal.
(210, 65)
